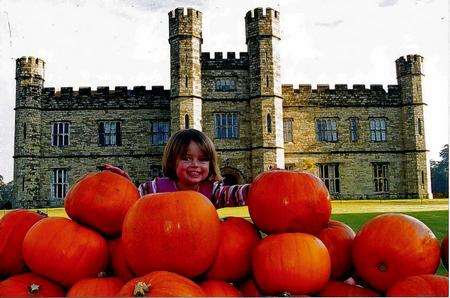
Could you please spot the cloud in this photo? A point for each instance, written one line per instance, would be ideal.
(329, 24)
(386, 3)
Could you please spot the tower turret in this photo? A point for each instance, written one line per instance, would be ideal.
(262, 37)
(29, 84)
(185, 38)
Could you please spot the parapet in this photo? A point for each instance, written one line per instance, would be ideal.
(412, 65)
(262, 22)
(30, 67)
(218, 62)
(185, 22)
(341, 95)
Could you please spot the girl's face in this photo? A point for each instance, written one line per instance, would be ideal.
(193, 167)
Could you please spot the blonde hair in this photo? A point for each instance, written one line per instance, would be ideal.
(177, 146)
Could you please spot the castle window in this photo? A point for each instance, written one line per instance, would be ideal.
(419, 126)
(226, 126)
(326, 130)
(60, 184)
(269, 123)
(329, 173)
(423, 178)
(160, 132)
(186, 121)
(24, 131)
(60, 134)
(226, 84)
(287, 130)
(378, 129)
(380, 177)
(110, 133)
(353, 129)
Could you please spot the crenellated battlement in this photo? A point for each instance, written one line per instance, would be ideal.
(341, 95)
(259, 13)
(185, 21)
(104, 97)
(27, 67)
(260, 22)
(411, 65)
(219, 62)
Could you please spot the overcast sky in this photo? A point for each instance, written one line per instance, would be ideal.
(124, 43)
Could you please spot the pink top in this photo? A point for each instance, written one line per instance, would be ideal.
(220, 195)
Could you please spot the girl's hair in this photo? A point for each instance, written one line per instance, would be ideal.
(177, 147)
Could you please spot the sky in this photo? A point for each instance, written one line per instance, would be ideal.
(92, 43)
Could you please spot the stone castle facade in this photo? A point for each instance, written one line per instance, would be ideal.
(363, 142)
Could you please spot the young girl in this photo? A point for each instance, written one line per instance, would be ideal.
(190, 163)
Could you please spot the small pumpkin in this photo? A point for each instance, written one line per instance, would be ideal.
(219, 288)
(30, 285)
(249, 289)
(342, 289)
(101, 200)
(117, 261)
(426, 285)
(96, 287)
(161, 284)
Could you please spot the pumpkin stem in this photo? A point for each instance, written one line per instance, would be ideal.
(102, 274)
(382, 267)
(33, 289)
(285, 294)
(40, 212)
(140, 289)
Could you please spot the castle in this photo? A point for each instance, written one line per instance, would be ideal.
(363, 142)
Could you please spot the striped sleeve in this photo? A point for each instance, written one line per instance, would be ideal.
(147, 187)
(229, 196)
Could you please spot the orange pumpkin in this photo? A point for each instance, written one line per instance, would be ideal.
(342, 289)
(238, 238)
(295, 263)
(444, 252)
(96, 287)
(177, 232)
(426, 285)
(30, 285)
(391, 247)
(161, 284)
(117, 260)
(249, 289)
(219, 288)
(64, 251)
(13, 227)
(288, 201)
(101, 200)
(338, 238)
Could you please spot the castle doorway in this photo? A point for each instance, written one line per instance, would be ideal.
(231, 176)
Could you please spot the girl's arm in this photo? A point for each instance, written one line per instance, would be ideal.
(147, 187)
(229, 196)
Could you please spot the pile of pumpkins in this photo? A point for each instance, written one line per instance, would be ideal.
(115, 243)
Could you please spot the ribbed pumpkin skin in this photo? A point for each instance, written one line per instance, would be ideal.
(96, 287)
(295, 263)
(342, 289)
(444, 252)
(238, 238)
(338, 238)
(101, 200)
(177, 232)
(219, 288)
(249, 289)
(427, 285)
(391, 247)
(163, 284)
(117, 260)
(18, 286)
(64, 251)
(13, 227)
(286, 201)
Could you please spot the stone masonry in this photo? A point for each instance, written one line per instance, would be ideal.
(240, 103)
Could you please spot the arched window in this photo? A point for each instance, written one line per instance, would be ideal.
(269, 123)
(186, 121)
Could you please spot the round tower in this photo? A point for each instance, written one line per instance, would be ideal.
(29, 84)
(185, 38)
(262, 29)
(417, 173)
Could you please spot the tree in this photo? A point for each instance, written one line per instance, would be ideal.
(439, 174)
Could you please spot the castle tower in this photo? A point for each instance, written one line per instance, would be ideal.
(185, 38)
(262, 37)
(29, 84)
(416, 167)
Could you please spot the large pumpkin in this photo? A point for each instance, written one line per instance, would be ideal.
(444, 251)
(13, 227)
(238, 238)
(295, 263)
(219, 288)
(177, 232)
(161, 284)
(288, 201)
(30, 285)
(101, 200)
(117, 261)
(426, 285)
(96, 287)
(338, 238)
(391, 247)
(64, 251)
(342, 289)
